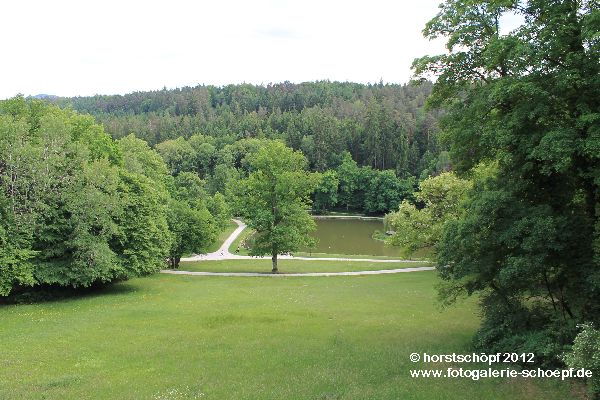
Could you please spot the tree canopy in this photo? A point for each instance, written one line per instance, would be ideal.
(383, 126)
(79, 208)
(439, 199)
(71, 207)
(275, 199)
(526, 103)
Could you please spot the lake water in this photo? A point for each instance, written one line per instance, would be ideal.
(351, 236)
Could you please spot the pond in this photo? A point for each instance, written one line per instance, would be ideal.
(351, 236)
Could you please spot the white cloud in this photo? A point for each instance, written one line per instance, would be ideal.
(81, 48)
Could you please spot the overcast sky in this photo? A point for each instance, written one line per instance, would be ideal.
(70, 48)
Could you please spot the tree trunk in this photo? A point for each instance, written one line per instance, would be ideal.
(274, 259)
(174, 262)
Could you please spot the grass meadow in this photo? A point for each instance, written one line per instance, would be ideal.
(190, 337)
(293, 266)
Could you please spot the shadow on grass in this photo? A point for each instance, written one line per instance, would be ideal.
(51, 293)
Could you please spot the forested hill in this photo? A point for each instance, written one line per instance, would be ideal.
(383, 126)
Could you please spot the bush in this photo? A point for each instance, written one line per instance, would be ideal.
(586, 354)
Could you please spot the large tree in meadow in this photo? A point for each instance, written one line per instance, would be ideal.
(527, 104)
(275, 199)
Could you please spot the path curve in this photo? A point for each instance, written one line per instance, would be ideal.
(224, 254)
(352, 273)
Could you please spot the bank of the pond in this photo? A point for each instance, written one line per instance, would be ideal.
(334, 216)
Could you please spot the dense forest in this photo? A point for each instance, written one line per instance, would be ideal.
(382, 126)
(373, 141)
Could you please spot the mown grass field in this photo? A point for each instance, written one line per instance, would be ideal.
(330, 255)
(292, 266)
(189, 337)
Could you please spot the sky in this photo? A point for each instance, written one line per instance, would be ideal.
(71, 48)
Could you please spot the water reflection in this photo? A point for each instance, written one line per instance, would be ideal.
(351, 236)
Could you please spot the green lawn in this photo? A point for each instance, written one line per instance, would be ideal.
(231, 226)
(186, 337)
(291, 266)
(329, 255)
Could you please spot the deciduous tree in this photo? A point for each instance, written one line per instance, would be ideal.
(275, 199)
(439, 199)
(526, 101)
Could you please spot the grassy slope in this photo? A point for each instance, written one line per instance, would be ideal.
(290, 266)
(231, 226)
(237, 242)
(241, 338)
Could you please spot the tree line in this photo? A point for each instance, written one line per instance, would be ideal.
(371, 142)
(79, 208)
(347, 186)
(384, 126)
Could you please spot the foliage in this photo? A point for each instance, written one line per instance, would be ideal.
(76, 244)
(219, 209)
(586, 354)
(275, 199)
(72, 215)
(370, 190)
(440, 197)
(382, 190)
(188, 187)
(381, 126)
(144, 239)
(178, 155)
(363, 189)
(16, 268)
(347, 173)
(528, 237)
(138, 158)
(193, 229)
(190, 222)
(326, 193)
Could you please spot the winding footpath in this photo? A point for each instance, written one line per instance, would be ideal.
(223, 253)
